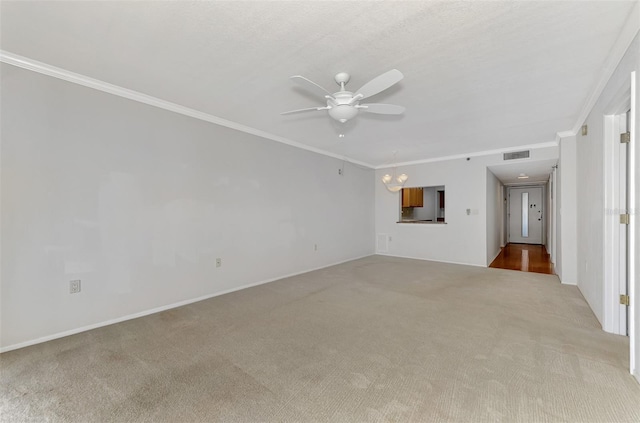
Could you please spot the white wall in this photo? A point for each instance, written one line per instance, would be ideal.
(547, 215)
(463, 239)
(553, 217)
(495, 218)
(558, 221)
(567, 210)
(591, 190)
(137, 202)
(505, 221)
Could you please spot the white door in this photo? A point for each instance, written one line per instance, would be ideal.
(525, 215)
(623, 235)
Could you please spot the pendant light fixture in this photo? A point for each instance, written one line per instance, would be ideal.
(393, 181)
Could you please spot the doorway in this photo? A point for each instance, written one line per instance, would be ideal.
(617, 229)
(525, 215)
(620, 243)
(623, 247)
(525, 258)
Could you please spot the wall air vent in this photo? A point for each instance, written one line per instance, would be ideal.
(516, 155)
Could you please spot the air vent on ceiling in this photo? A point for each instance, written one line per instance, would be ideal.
(516, 155)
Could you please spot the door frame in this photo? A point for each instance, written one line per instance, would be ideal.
(542, 186)
(553, 187)
(612, 321)
(623, 101)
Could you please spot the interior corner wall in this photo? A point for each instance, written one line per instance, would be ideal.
(463, 238)
(495, 218)
(547, 215)
(505, 220)
(558, 221)
(567, 227)
(590, 186)
(138, 202)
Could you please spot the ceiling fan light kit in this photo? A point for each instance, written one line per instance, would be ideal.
(344, 105)
(393, 182)
(343, 112)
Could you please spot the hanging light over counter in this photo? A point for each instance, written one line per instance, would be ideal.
(393, 181)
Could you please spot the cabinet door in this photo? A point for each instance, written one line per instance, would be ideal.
(406, 197)
(418, 197)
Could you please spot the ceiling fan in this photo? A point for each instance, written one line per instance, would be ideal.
(344, 105)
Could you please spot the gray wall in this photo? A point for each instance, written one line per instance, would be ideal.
(495, 217)
(463, 239)
(591, 191)
(138, 202)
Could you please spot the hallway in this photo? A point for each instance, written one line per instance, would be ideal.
(524, 257)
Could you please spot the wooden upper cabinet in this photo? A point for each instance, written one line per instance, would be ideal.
(406, 200)
(412, 197)
(418, 197)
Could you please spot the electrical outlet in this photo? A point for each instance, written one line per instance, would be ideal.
(218, 262)
(74, 286)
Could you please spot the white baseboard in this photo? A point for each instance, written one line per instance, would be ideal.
(434, 260)
(494, 257)
(162, 308)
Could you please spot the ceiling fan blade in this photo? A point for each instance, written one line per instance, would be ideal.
(380, 83)
(382, 109)
(308, 109)
(309, 84)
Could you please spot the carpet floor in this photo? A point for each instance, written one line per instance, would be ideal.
(376, 339)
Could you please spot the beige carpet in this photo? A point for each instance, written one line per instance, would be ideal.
(377, 339)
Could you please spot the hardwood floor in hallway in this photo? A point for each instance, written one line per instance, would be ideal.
(524, 257)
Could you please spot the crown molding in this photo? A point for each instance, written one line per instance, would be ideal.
(565, 134)
(96, 84)
(476, 154)
(629, 31)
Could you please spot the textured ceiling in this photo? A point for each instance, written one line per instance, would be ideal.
(478, 75)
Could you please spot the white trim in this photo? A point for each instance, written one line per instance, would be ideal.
(495, 256)
(611, 319)
(96, 84)
(627, 34)
(634, 279)
(543, 189)
(76, 78)
(163, 308)
(565, 134)
(572, 283)
(475, 154)
(436, 261)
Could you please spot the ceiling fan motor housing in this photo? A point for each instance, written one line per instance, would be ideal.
(342, 78)
(341, 107)
(344, 105)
